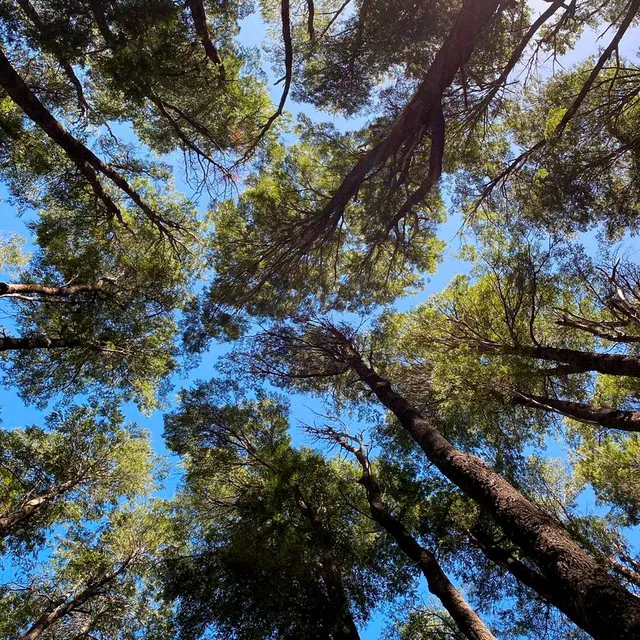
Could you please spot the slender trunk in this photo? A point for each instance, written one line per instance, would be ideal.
(342, 624)
(37, 21)
(456, 51)
(338, 618)
(459, 609)
(87, 162)
(58, 611)
(593, 599)
(604, 416)
(102, 22)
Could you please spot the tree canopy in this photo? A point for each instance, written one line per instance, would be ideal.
(321, 320)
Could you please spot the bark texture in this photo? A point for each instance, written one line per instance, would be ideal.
(199, 17)
(439, 584)
(613, 364)
(456, 51)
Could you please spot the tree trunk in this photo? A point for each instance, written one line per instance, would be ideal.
(521, 572)
(37, 21)
(591, 597)
(31, 506)
(604, 416)
(8, 343)
(199, 16)
(456, 51)
(7, 289)
(58, 611)
(86, 161)
(342, 625)
(458, 608)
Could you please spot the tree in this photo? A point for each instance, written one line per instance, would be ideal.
(466, 619)
(492, 409)
(97, 585)
(307, 571)
(75, 469)
(326, 350)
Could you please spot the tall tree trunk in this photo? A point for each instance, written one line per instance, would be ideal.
(524, 574)
(455, 52)
(591, 597)
(439, 584)
(341, 622)
(86, 161)
(31, 506)
(199, 16)
(604, 416)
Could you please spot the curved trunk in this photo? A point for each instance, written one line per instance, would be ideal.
(85, 160)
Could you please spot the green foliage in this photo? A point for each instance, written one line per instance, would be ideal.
(117, 116)
(75, 470)
(276, 549)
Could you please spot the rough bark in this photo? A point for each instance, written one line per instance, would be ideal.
(520, 571)
(456, 51)
(590, 596)
(612, 364)
(199, 17)
(604, 416)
